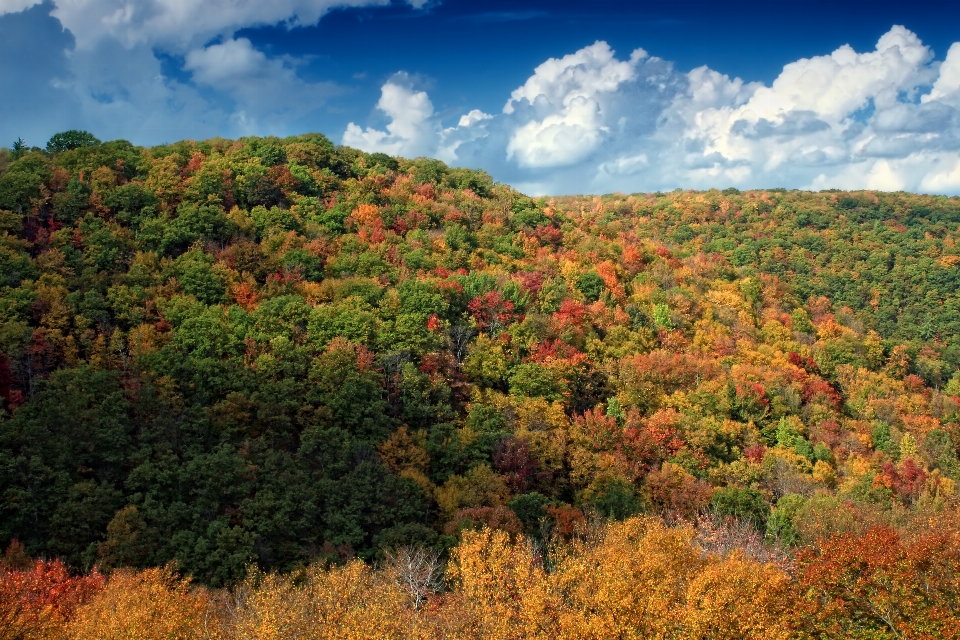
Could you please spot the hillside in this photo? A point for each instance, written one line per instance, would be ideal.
(279, 351)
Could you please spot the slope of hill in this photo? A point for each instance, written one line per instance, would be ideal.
(279, 351)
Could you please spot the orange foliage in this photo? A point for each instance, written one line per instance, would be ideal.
(879, 584)
(39, 601)
(246, 295)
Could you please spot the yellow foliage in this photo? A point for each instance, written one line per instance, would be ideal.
(634, 579)
(147, 605)
(738, 598)
(824, 473)
(629, 584)
(500, 588)
(544, 426)
(403, 450)
(350, 602)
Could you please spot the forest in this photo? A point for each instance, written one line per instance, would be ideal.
(278, 388)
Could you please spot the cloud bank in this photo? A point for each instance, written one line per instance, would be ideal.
(99, 65)
(590, 121)
(885, 119)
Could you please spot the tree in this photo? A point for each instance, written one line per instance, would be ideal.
(416, 570)
(37, 602)
(150, 604)
(73, 139)
(19, 148)
(878, 584)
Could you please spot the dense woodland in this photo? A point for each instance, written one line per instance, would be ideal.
(274, 366)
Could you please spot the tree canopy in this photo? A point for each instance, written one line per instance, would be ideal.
(275, 352)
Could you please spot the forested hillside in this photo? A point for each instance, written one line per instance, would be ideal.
(278, 352)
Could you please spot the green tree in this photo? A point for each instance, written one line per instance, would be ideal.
(741, 503)
(73, 139)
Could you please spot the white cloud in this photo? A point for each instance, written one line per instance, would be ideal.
(806, 117)
(95, 65)
(586, 122)
(589, 71)
(473, 117)
(947, 86)
(589, 121)
(16, 6)
(180, 25)
(567, 96)
(561, 138)
(412, 130)
(626, 165)
(260, 86)
(947, 180)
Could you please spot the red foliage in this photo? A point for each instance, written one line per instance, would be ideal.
(570, 314)
(914, 383)
(284, 278)
(567, 520)
(426, 190)
(826, 431)
(633, 259)
(602, 430)
(43, 353)
(664, 430)
(365, 358)
(516, 463)
(555, 349)
(819, 308)
(246, 295)
(640, 444)
(196, 161)
(819, 390)
(664, 370)
(281, 176)
(411, 220)
(906, 482)
(491, 311)
(549, 234)
(804, 362)
(531, 281)
(455, 216)
(755, 453)
(228, 198)
(676, 494)
(755, 393)
(29, 598)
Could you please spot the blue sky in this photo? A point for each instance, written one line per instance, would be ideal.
(552, 97)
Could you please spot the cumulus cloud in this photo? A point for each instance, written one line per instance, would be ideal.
(181, 24)
(412, 131)
(947, 86)
(566, 98)
(261, 87)
(98, 66)
(589, 121)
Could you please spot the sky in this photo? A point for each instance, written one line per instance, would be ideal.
(551, 97)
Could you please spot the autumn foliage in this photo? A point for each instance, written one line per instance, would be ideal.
(39, 600)
(239, 376)
(633, 579)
